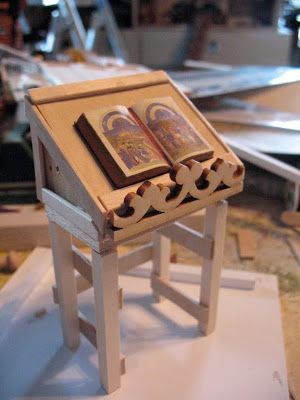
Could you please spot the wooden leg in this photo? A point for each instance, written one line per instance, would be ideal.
(215, 226)
(161, 258)
(105, 282)
(66, 284)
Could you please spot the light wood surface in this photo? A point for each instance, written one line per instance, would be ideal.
(161, 260)
(198, 311)
(215, 226)
(105, 281)
(247, 243)
(66, 284)
(189, 238)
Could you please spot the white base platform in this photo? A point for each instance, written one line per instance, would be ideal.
(165, 357)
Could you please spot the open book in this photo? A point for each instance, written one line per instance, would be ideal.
(137, 143)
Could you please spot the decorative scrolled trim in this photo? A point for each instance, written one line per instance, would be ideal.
(191, 180)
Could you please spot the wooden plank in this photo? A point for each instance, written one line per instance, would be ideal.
(66, 284)
(77, 217)
(81, 286)
(291, 218)
(87, 329)
(161, 259)
(82, 264)
(39, 164)
(295, 247)
(105, 278)
(53, 216)
(135, 257)
(247, 243)
(23, 230)
(96, 87)
(196, 310)
(19, 287)
(230, 279)
(215, 227)
(189, 238)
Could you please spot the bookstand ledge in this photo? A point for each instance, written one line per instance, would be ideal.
(81, 201)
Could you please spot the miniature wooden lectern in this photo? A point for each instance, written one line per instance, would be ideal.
(81, 202)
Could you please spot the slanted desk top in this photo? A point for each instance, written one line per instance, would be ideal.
(69, 168)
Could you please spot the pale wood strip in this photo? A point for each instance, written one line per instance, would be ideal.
(135, 257)
(87, 329)
(247, 243)
(105, 279)
(39, 163)
(74, 230)
(70, 212)
(196, 310)
(82, 264)
(96, 87)
(215, 227)
(81, 286)
(66, 284)
(189, 238)
(161, 259)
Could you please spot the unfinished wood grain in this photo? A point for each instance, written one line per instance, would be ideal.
(39, 163)
(82, 264)
(189, 238)
(66, 284)
(74, 214)
(81, 286)
(193, 308)
(23, 230)
(135, 257)
(96, 87)
(161, 259)
(87, 329)
(74, 230)
(247, 243)
(105, 282)
(215, 227)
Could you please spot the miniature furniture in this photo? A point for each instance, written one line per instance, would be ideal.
(81, 202)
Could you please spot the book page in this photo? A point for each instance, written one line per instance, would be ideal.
(132, 149)
(176, 136)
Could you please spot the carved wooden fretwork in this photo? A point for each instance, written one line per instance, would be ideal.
(191, 181)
